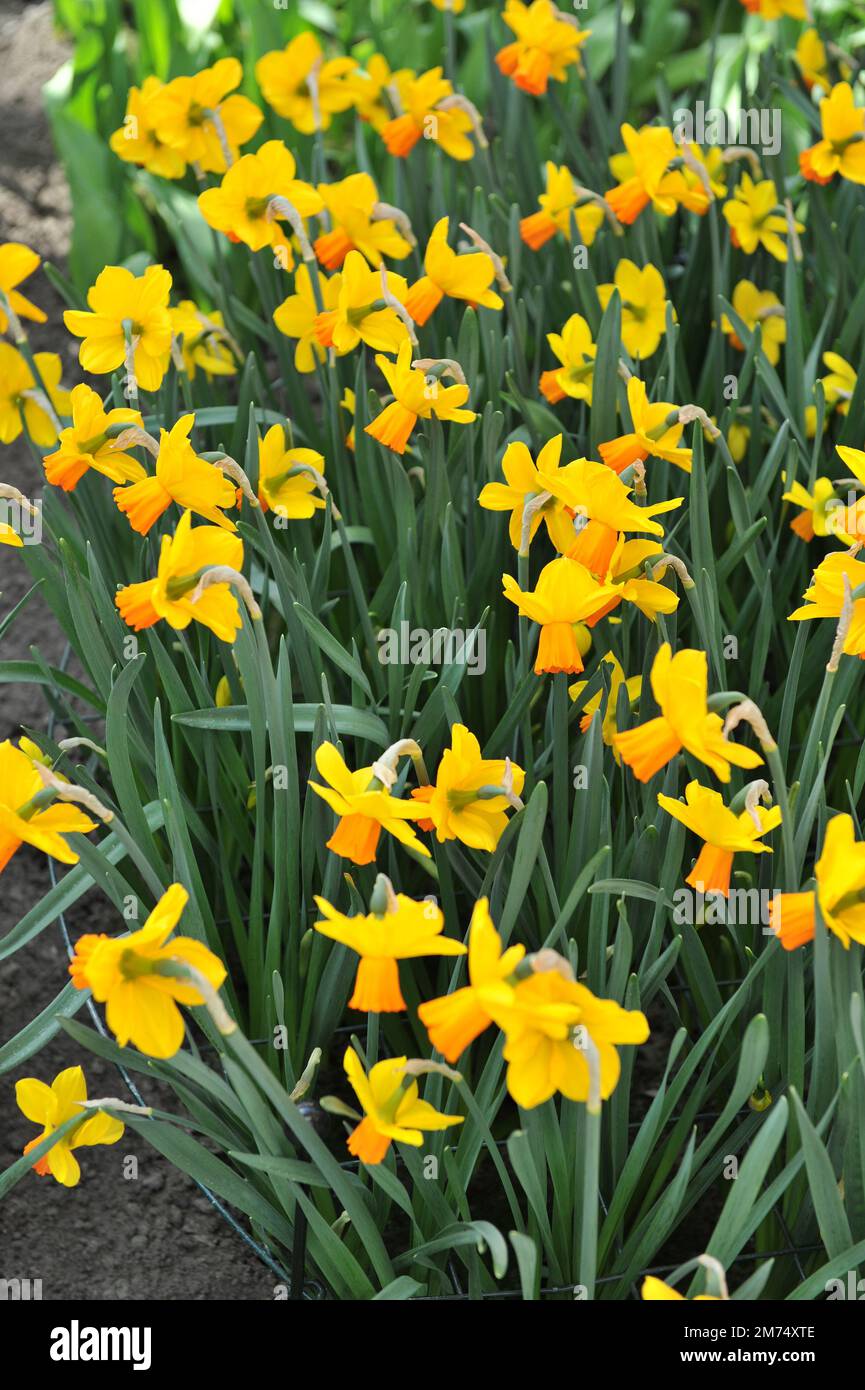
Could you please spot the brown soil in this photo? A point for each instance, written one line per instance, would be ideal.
(155, 1237)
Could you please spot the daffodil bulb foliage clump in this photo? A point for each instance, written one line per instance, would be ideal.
(446, 473)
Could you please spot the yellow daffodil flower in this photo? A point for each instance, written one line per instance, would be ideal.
(654, 1290)
(195, 115)
(351, 206)
(626, 579)
(557, 202)
(842, 149)
(123, 972)
(22, 404)
(140, 302)
(649, 172)
(609, 727)
(136, 141)
(239, 207)
(424, 113)
(756, 219)
(51, 1106)
(204, 342)
(822, 511)
(462, 803)
(182, 559)
(566, 593)
(724, 833)
(523, 485)
(545, 1048)
(297, 317)
(644, 306)
(812, 61)
(680, 687)
(86, 444)
(181, 477)
(415, 397)
(547, 44)
(656, 431)
(360, 314)
(840, 892)
(465, 277)
(284, 481)
(371, 86)
(406, 929)
(27, 814)
(601, 504)
(454, 1020)
(365, 808)
(303, 86)
(17, 262)
(840, 384)
(393, 1111)
(826, 597)
(576, 351)
(758, 307)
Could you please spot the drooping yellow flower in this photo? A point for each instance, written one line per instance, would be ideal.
(466, 277)
(136, 141)
(455, 1020)
(181, 477)
(812, 61)
(827, 594)
(680, 686)
(371, 85)
(126, 973)
(756, 219)
(576, 351)
(393, 1111)
(359, 313)
(140, 302)
(547, 43)
(840, 892)
(285, 483)
(649, 172)
(840, 384)
(424, 112)
(560, 198)
(22, 404)
(548, 1024)
(16, 263)
(193, 115)
(609, 727)
(353, 206)
(205, 344)
(644, 306)
(51, 1106)
(406, 929)
(240, 206)
(654, 1290)
(365, 808)
(296, 317)
(624, 575)
(523, 486)
(820, 510)
(724, 832)
(462, 803)
(305, 88)
(601, 505)
(656, 431)
(182, 558)
(842, 148)
(87, 445)
(27, 814)
(415, 397)
(758, 307)
(566, 593)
